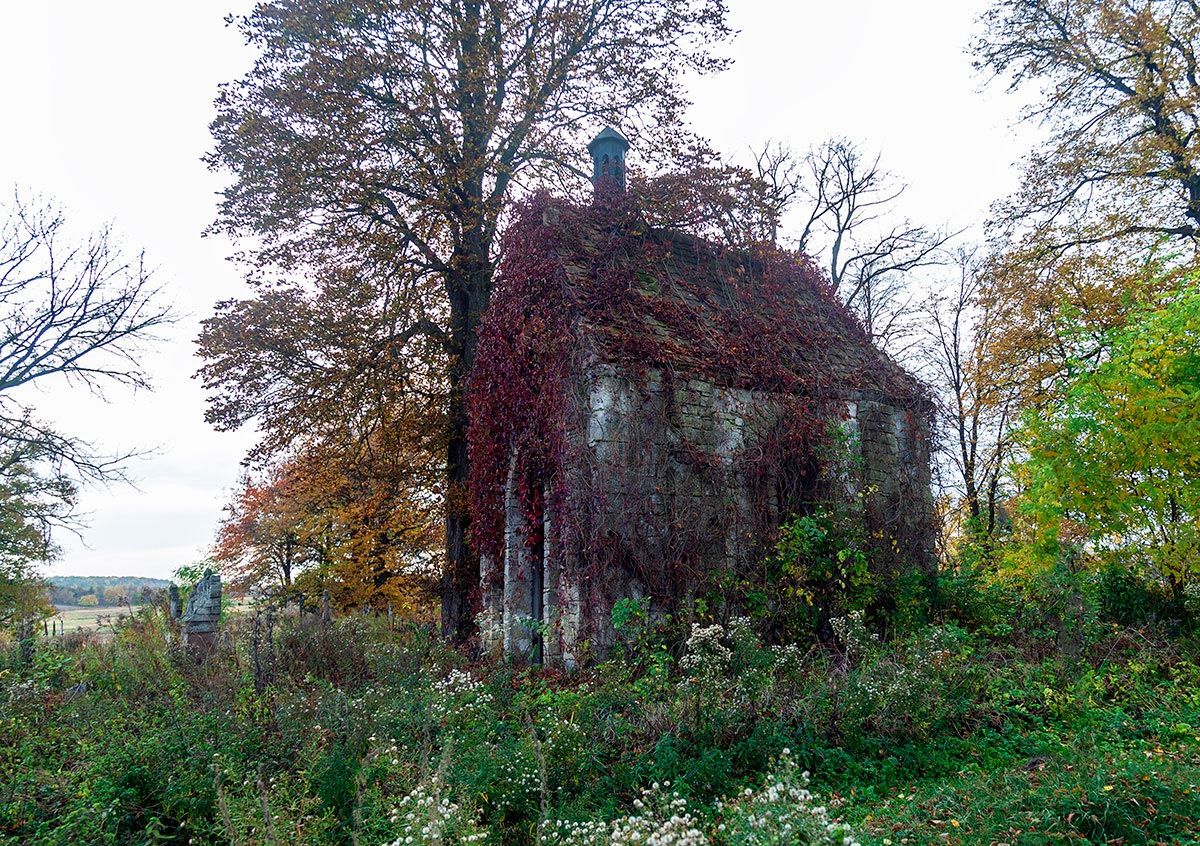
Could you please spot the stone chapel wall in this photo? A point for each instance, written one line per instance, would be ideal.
(660, 476)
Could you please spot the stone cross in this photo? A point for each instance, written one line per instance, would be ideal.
(203, 611)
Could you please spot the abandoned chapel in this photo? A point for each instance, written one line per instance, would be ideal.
(648, 407)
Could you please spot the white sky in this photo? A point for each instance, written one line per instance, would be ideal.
(104, 107)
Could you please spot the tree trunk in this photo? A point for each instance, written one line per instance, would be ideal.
(468, 284)
(468, 291)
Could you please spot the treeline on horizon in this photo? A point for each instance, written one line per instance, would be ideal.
(103, 591)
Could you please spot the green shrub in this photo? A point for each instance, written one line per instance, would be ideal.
(913, 688)
(1126, 597)
(976, 719)
(819, 569)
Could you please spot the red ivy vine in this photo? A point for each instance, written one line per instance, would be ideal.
(580, 280)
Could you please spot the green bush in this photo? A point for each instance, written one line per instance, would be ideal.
(1126, 597)
(819, 570)
(370, 735)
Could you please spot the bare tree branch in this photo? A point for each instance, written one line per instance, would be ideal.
(79, 311)
(846, 208)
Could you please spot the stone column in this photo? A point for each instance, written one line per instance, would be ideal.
(491, 634)
(551, 640)
(517, 598)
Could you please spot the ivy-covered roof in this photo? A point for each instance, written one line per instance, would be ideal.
(584, 283)
(760, 318)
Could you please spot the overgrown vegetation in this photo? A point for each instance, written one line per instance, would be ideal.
(1025, 715)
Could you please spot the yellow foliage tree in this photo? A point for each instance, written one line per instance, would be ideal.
(1109, 205)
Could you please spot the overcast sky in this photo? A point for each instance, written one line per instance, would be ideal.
(106, 108)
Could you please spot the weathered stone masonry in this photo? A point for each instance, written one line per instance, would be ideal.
(633, 429)
(667, 465)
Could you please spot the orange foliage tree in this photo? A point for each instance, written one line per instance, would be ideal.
(258, 543)
(389, 134)
(363, 525)
(350, 404)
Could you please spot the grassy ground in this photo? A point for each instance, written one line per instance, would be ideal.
(1102, 775)
(947, 734)
(77, 617)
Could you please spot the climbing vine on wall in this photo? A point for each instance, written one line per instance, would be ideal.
(583, 284)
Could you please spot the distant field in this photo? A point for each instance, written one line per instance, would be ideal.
(75, 617)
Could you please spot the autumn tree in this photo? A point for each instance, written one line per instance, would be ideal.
(975, 414)
(1111, 198)
(1119, 87)
(258, 544)
(375, 518)
(115, 595)
(335, 361)
(351, 406)
(706, 196)
(1113, 465)
(362, 524)
(36, 498)
(388, 134)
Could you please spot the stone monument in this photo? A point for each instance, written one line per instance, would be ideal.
(202, 613)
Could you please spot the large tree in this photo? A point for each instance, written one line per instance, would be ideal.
(1112, 194)
(389, 133)
(73, 309)
(1117, 86)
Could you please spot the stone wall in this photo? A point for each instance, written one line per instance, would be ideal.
(661, 476)
(668, 451)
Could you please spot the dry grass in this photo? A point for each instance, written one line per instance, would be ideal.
(81, 618)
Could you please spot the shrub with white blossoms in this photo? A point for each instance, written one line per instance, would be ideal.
(459, 697)
(851, 631)
(729, 675)
(574, 833)
(427, 817)
(787, 661)
(913, 685)
(709, 690)
(1191, 598)
(518, 783)
(705, 652)
(660, 818)
(781, 812)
